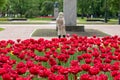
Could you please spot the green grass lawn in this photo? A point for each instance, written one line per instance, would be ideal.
(29, 21)
(84, 21)
(113, 21)
(44, 20)
(41, 19)
(1, 29)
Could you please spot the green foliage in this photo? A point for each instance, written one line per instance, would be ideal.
(14, 57)
(39, 53)
(30, 13)
(2, 3)
(41, 18)
(1, 29)
(3, 19)
(47, 8)
(33, 8)
(97, 7)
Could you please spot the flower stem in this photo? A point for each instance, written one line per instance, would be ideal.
(66, 77)
(75, 77)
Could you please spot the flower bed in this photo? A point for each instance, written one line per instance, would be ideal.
(74, 58)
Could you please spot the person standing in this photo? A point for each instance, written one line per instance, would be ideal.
(60, 24)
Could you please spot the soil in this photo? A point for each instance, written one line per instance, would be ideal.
(53, 33)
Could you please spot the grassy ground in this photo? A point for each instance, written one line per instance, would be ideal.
(53, 33)
(1, 29)
(41, 19)
(45, 20)
(84, 21)
(24, 22)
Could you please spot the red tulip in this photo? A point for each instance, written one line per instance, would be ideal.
(103, 55)
(34, 70)
(75, 69)
(97, 60)
(20, 78)
(29, 64)
(55, 68)
(94, 70)
(115, 67)
(63, 71)
(117, 77)
(6, 77)
(86, 55)
(18, 40)
(103, 77)
(52, 61)
(74, 63)
(21, 55)
(44, 73)
(52, 77)
(85, 77)
(114, 73)
(79, 57)
(21, 70)
(106, 67)
(60, 77)
(88, 61)
(20, 65)
(10, 42)
(85, 67)
(95, 54)
(63, 57)
(2, 71)
(107, 60)
(4, 58)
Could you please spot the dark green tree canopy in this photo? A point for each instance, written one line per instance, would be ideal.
(2, 3)
(47, 8)
(32, 8)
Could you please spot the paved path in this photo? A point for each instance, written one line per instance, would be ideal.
(109, 29)
(24, 31)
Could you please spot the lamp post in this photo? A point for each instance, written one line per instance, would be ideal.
(106, 11)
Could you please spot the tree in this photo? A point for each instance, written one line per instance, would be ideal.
(114, 7)
(32, 8)
(24, 8)
(84, 7)
(47, 8)
(60, 2)
(2, 3)
(2, 6)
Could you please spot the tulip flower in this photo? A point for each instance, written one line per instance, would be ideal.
(85, 77)
(94, 70)
(58, 59)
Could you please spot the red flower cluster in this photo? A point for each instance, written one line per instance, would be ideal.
(76, 57)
